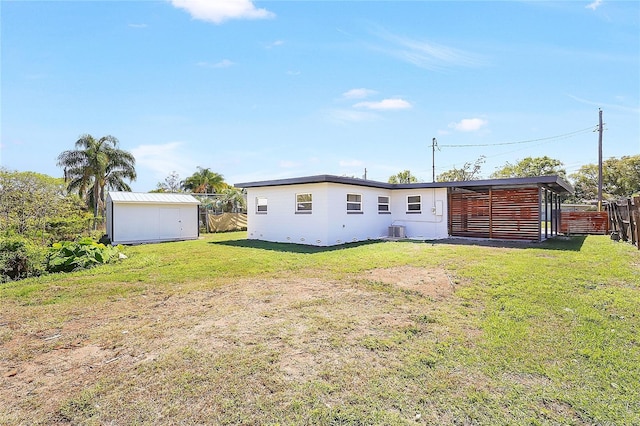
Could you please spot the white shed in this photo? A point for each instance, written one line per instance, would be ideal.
(134, 218)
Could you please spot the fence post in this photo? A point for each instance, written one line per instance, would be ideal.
(632, 222)
(636, 216)
(621, 225)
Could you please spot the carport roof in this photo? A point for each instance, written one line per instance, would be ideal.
(555, 183)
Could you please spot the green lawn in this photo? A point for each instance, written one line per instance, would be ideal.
(228, 331)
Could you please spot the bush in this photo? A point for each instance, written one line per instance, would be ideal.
(67, 256)
(20, 258)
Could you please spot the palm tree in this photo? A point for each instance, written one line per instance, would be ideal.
(204, 181)
(95, 165)
(232, 200)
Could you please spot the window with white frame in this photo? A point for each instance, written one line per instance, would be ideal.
(414, 204)
(383, 204)
(304, 203)
(354, 203)
(261, 205)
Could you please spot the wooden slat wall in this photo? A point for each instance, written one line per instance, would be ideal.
(584, 223)
(469, 214)
(512, 214)
(516, 214)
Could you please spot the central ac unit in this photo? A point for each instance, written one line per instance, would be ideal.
(397, 231)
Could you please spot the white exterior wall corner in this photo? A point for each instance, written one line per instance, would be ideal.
(428, 224)
(281, 223)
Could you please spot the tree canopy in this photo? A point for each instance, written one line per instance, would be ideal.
(404, 176)
(469, 171)
(95, 165)
(204, 181)
(36, 206)
(620, 178)
(530, 167)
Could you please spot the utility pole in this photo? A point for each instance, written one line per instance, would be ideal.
(600, 160)
(434, 145)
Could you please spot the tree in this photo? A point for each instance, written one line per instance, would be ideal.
(35, 206)
(204, 181)
(403, 177)
(95, 165)
(232, 200)
(171, 183)
(620, 178)
(469, 171)
(530, 167)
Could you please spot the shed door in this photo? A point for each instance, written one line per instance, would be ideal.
(170, 225)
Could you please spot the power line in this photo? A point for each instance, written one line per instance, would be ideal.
(563, 136)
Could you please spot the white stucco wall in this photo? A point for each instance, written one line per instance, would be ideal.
(431, 223)
(330, 223)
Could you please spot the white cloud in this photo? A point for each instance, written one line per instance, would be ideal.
(219, 11)
(469, 124)
(358, 93)
(384, 105)
(627, 108)
(425, 54)
(350, 163)
(274, 44)
(594, 5)
(225, 63)
(162, 159)
(138, 26)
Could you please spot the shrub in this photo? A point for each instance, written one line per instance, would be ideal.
(20, 258)
(67, 256)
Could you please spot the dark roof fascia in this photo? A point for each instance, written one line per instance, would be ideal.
(554, 182)
(315, 179)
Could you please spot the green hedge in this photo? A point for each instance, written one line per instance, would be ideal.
(20, 258)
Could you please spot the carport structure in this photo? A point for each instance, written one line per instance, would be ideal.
(508, 209)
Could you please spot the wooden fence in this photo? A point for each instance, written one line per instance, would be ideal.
(587, 223)
(624, 217)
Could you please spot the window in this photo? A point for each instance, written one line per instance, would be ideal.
(303, 203)
(383, 205)
(261, 205)
(414, 204)
(354, 203)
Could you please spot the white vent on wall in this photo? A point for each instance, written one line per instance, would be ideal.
(397, 231)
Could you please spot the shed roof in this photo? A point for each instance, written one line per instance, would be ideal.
(151, 198)
(555, 183)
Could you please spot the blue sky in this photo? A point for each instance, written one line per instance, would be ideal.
(277, 89)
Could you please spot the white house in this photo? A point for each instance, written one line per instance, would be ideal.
(134, 218)
(326, 210)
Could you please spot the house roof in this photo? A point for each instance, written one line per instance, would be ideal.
(555, 183)
(152, 198)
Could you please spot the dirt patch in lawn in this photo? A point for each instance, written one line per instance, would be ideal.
(434, 283)
(315, 326)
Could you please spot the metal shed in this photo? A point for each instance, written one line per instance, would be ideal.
(134, 218)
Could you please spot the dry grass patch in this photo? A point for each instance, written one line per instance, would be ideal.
(285, 337)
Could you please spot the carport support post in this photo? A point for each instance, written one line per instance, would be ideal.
(490, 212)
